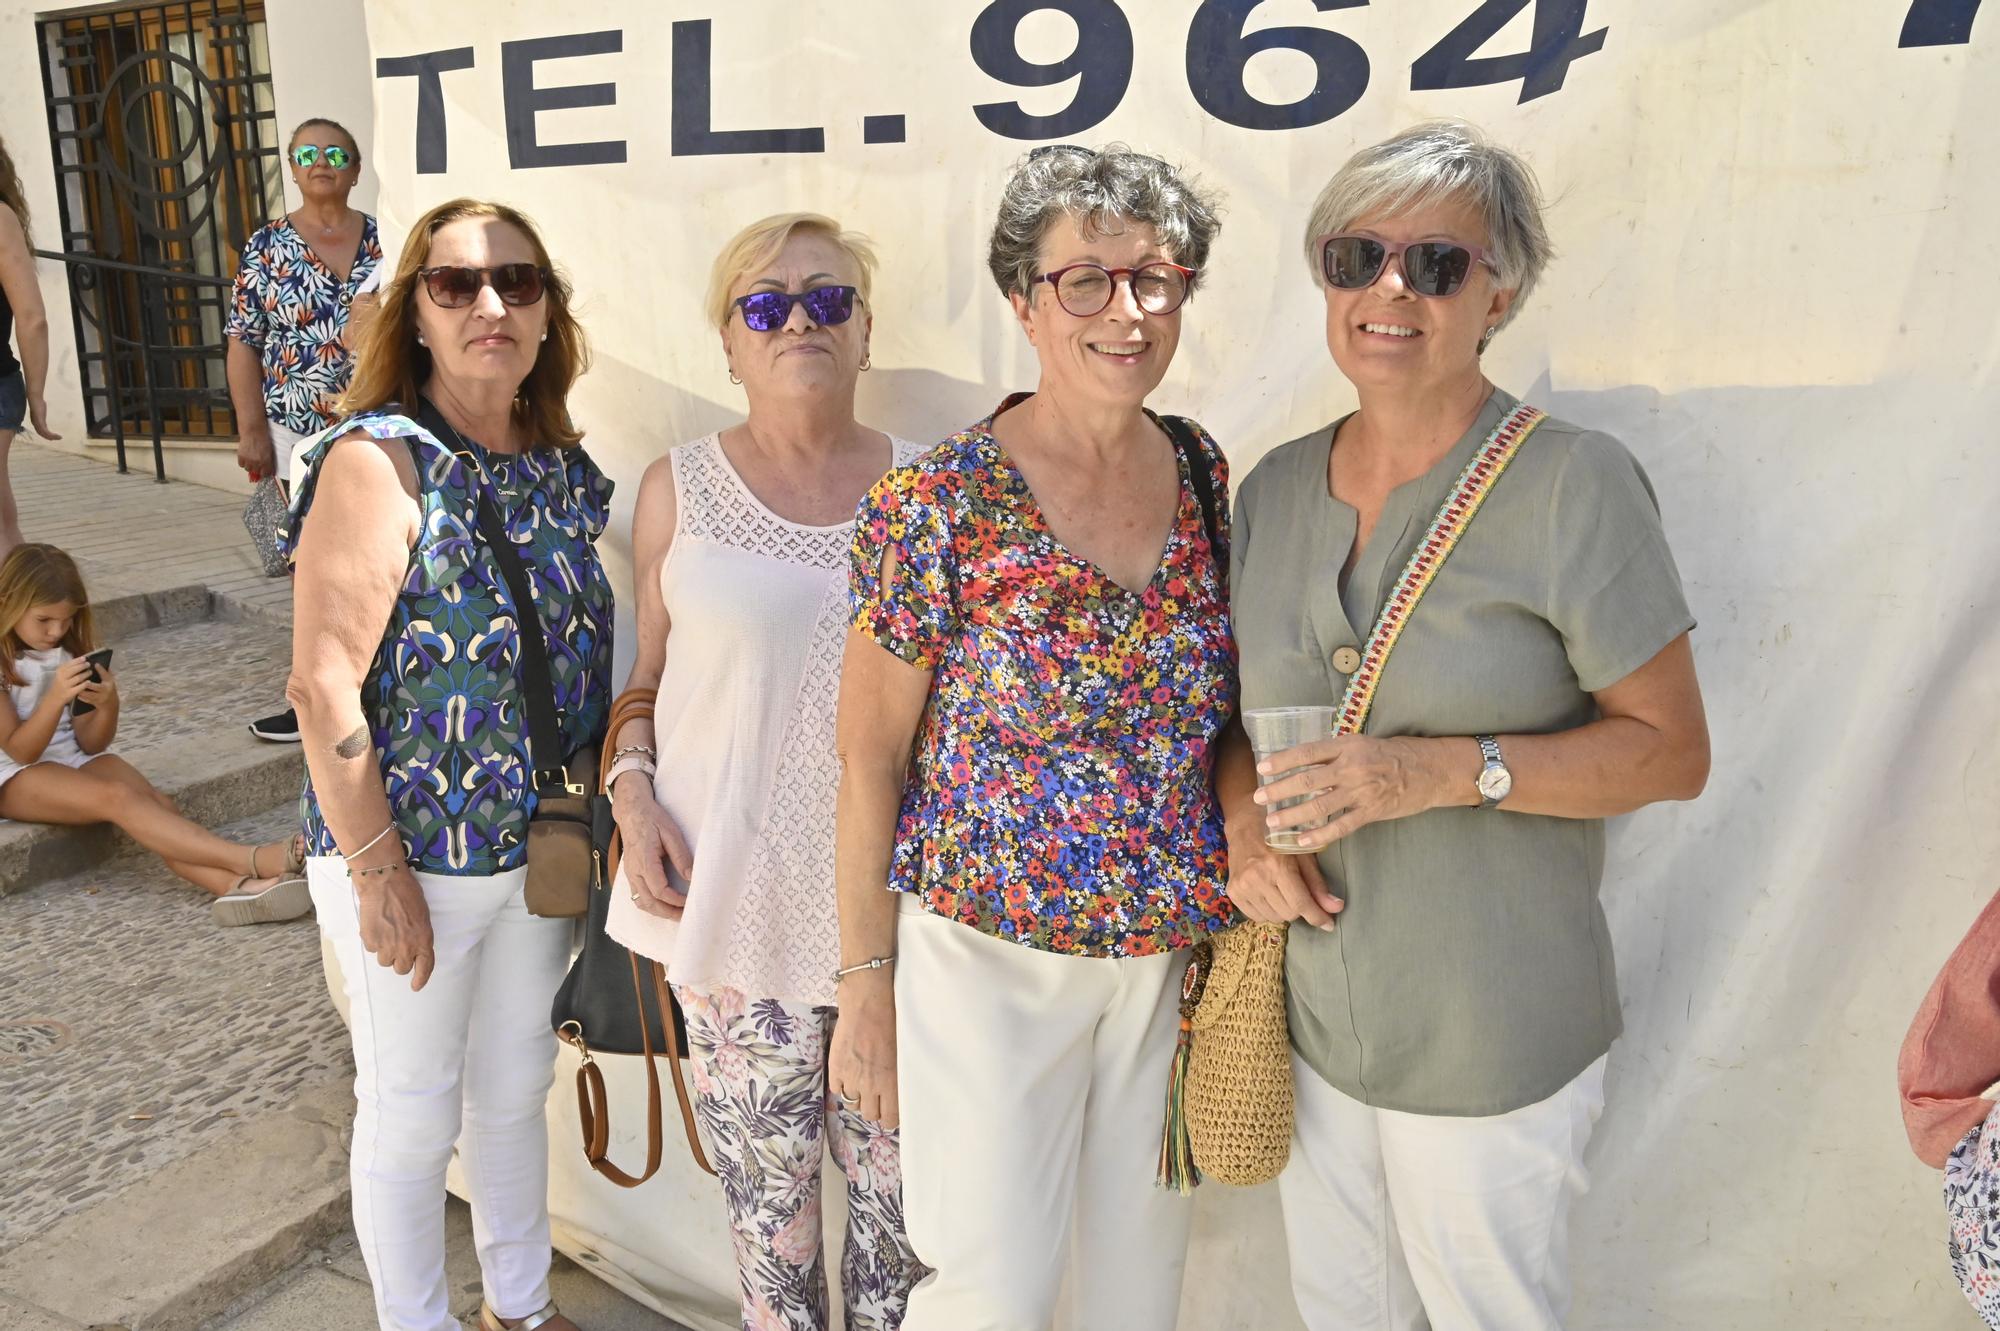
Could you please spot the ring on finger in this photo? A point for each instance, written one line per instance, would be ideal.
(850, 1101)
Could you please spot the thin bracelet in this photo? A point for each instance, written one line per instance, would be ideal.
(371, 844)
(390, 867)
(873, 963)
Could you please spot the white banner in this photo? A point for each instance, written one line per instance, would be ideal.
(1776, 284)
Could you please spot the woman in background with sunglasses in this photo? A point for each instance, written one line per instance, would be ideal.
(408, 672)
(295, 316)
(1450, 1023)
(725, 797)
(1029, 841)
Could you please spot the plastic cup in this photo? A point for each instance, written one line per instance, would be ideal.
(1272, 730)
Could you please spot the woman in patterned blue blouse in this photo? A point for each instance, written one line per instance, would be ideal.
(407, 677)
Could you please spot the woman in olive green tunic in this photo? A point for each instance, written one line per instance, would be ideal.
(1451, 995)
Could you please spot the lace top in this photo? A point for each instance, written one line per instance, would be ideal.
(745, 731)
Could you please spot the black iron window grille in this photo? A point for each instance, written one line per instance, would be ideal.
(167, 156)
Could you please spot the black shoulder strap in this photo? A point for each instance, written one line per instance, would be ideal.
(545, 747)
(1202, 477)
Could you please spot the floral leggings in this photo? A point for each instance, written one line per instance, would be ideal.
(759, 1068)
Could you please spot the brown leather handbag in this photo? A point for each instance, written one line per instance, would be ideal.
(614, 1001)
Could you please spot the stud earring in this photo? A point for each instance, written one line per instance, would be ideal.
(545, 335)
(420, 340)
(1487, 340)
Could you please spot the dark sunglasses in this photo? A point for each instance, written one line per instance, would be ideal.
(764, 311)
(1436, 268)
(455, 288)
(337, 157)
(1084, 289)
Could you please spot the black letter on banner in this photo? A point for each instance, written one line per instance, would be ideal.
(524, 100)
(1559, 40)
(1939, 23)
(430, 98)
(693, 106)
(1218, 50)
(1103, 59)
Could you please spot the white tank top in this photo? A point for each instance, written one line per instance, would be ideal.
(744, 725)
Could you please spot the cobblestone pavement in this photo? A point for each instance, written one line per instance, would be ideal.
(132, 1031)
(200, 679)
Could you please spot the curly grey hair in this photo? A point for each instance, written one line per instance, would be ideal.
(1442, 159)
(1096, 187)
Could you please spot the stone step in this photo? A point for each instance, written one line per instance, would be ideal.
(177, 1099)
(194, 669)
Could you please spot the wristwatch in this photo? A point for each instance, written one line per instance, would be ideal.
(1496, 783)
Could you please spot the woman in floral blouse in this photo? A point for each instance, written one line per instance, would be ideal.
(408, 674)
(1039, 614)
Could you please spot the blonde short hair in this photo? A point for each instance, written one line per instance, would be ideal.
(1428, 163)
(756, 245)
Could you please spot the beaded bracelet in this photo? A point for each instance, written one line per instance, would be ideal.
(390, 867)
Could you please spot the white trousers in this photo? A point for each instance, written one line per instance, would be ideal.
(1392, 1218)
(468, 1060)
(1032, 1090)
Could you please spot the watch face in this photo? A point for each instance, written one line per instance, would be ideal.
(1495, 784)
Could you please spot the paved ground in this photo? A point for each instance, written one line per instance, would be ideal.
(132, 534)
(133, 1032)
(330, 1289)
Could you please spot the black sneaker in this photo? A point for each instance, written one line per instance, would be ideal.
(280, 729)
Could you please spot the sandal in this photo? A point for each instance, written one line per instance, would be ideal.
(546, 1316)
(295, 858)
(285, 899)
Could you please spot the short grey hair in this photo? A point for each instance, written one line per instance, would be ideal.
(1432, 162)
(1098, 188)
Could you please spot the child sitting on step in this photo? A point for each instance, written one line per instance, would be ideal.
(55, 766)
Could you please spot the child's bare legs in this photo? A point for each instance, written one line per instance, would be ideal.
(109, 789)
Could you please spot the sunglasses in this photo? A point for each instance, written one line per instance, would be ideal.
(1436, 268)
(337, 157)
(455, 288)
(764, 311)
(1084, 289)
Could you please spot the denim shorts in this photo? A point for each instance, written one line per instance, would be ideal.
(13, 401)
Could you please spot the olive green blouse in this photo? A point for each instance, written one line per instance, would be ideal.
(1471, 970)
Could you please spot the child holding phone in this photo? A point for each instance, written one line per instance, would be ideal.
(54, 761)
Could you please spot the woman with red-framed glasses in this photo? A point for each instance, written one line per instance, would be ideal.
(1029, 842)
(1449, 972)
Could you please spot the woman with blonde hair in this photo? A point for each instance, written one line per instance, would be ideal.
(22, 376)
(726, 796)
(409, 681)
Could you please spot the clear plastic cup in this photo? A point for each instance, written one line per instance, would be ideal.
(1272, 730)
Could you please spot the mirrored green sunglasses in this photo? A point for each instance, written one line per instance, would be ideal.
(337, 157)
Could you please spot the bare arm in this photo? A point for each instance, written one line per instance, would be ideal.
(882, 700)
(31, 319)
(1264, 884)
(255, 452)
(353, 554)
(25, 738)
(651, 840)
(1649, 743)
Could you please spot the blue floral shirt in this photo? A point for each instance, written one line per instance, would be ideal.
(291, 310)
(443, 696)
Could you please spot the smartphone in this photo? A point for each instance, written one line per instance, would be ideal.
(101, 658)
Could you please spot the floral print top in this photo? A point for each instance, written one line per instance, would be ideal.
(443, 696)
(1059, 793)
(291, 310)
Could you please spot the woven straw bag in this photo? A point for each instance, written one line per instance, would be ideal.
(1239, 1086)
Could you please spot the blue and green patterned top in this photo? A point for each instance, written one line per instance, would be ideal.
(443, 695)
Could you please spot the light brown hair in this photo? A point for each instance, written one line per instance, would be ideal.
(32, 575)
(11, 193)
(391, 367)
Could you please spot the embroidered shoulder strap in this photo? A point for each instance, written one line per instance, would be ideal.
(1453, 516)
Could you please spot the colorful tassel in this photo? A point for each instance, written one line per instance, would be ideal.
(1177, 1169)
